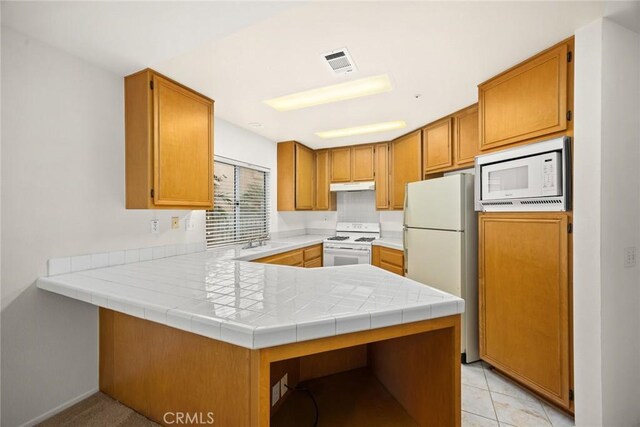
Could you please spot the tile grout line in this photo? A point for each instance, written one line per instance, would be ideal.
(481, 416)
(493, 405)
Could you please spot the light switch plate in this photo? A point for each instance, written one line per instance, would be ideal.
(189, 224)
(155, 226)
(175, 222)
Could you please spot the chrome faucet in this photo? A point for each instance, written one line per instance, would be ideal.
(255, 242)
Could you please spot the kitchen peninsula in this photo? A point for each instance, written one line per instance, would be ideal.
(212, 333)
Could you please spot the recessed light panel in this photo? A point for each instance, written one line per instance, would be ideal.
(333, 93)
(360, 130)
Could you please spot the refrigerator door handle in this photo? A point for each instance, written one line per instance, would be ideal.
(405, 249)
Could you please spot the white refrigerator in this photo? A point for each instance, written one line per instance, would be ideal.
(441, 244)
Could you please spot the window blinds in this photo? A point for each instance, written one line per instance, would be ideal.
(240, 204)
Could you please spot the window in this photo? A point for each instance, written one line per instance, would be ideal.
(240, 203)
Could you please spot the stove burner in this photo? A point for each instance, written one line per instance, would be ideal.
(365, 239)
(339, 238)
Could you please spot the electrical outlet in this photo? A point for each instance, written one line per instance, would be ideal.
(175, 222)
(155, 226)
(189, 224)
(630, 256)
(284, 382)
(275, 393)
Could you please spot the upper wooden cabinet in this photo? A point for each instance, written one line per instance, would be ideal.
(381, 157)
(296, 166)
(325, 199)
(169, 144)
(341, 164)
(526, 101)
(524, 300)
(465, 136)
(406, 166)
(437, 145)
(362, 163)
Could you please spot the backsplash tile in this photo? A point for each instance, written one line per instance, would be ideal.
(62, 265)
(357, 206)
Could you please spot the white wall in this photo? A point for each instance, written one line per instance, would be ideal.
(587, 315)
(63, 194)
(607, 220)
(620, 200)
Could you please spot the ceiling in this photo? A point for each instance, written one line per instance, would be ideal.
(125, 36)
(242, 53)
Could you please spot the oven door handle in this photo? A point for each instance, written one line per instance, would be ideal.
(353, 252)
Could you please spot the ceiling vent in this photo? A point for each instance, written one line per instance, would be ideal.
(340, 61)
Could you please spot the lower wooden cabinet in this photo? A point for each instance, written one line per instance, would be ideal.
(309, 257)
(388, 259)
(525, 309)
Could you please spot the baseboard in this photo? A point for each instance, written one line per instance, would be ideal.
(57, 409)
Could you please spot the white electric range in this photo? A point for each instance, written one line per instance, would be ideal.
(351, 244)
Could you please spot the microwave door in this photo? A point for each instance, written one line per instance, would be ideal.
(533, 176)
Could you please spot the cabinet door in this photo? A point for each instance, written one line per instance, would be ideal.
(465, 135)
(362, 163)
(406, 166)
(526, 101)
(524, 300)
(183, 157)
(437, 147)
(381, 155)
(305, 165)
(341, 164)
(324, 199)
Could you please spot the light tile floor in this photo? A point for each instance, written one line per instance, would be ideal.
(490, 400)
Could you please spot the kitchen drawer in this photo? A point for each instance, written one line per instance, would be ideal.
(392, 268)
(392, 257)
(388, 259)
(293, 258)
(316, 262)
(312, 252)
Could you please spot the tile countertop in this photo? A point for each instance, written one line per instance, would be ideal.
(389, 243)
(219, 295)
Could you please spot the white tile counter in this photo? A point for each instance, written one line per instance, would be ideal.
(389, 243)
(256, 305)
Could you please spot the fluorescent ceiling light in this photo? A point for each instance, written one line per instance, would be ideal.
(333, 93)
(359, 130)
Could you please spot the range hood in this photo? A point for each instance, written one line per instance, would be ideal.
(353, 186)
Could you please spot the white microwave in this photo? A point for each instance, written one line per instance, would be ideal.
(533, 177)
